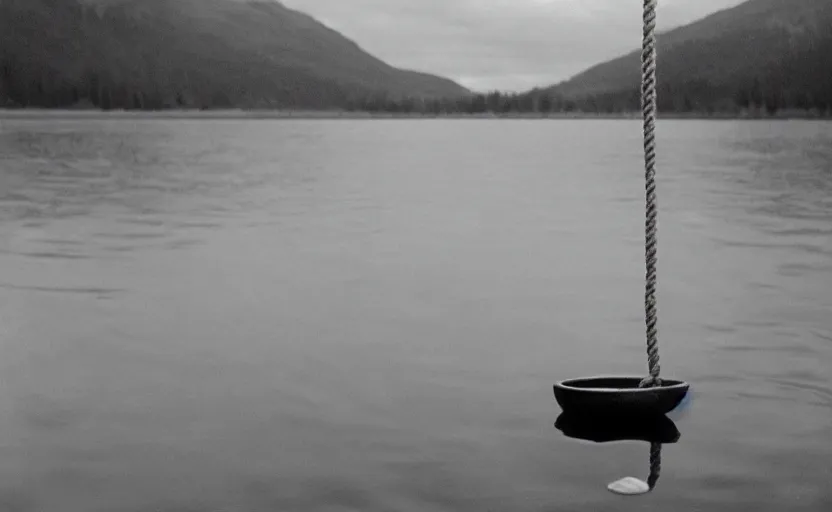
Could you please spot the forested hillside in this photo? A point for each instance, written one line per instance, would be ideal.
(762, 54)
(762, 57)
(155, 54)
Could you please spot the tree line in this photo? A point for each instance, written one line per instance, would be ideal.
(23, 87)
(103, 59)
(757, 97)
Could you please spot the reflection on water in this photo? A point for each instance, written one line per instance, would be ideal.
(348, 315)
(661, 429)
(656, 430)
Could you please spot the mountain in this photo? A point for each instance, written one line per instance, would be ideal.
(188, 53)
(762, 53)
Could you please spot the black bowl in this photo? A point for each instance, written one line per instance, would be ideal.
(618, 396)
(658, 429)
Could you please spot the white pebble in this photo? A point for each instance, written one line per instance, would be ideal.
(629, 486)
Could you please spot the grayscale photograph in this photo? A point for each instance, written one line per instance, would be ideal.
(415, 255)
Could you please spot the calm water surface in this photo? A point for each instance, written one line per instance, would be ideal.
(252, 316)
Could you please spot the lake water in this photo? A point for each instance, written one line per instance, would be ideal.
(253, 316)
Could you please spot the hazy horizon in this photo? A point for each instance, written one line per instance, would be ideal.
(510, 45)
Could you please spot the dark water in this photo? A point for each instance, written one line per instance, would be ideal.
(251, 316)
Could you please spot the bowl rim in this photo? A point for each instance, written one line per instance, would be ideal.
(565, 385)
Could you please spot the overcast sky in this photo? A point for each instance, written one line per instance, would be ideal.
(502, 44)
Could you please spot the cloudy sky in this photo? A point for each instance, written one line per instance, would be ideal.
(503, 44)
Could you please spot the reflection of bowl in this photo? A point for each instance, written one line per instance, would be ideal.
(658, 429)
(618, 396)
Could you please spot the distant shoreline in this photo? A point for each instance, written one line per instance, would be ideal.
(334, 114)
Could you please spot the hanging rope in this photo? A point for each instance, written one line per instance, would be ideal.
(648, 106)
(632, 486)
(655, 464)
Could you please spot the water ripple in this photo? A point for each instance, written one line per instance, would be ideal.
(83, 290)
(326, 316)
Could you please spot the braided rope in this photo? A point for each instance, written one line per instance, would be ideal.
(655, 464)
(648, 105)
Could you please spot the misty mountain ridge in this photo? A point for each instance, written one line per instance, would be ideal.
(771, 53)
(762, 55)
(760, 58)
(189, 53)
